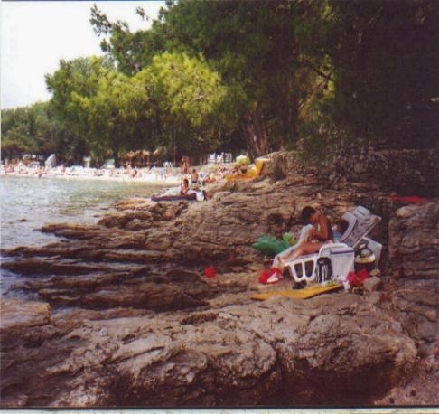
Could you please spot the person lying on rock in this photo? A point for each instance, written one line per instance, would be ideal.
(316, 238)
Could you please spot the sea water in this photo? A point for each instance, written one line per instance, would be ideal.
(29, 202)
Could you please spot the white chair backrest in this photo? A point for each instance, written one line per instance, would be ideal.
(361, 222)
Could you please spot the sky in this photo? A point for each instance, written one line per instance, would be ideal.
(36, 35)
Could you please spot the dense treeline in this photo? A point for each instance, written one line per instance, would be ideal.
(261, 75)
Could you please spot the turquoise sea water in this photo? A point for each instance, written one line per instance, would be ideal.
(29, 202)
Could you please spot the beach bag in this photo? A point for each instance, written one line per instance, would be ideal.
(324, 269)
(270, 245)
(270, 276)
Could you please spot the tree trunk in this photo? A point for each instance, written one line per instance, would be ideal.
(255, 134)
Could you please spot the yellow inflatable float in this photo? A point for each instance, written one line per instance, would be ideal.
(244, 170)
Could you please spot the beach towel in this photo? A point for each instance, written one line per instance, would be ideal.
(305, 293)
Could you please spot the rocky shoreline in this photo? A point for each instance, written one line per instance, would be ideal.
(119, 313)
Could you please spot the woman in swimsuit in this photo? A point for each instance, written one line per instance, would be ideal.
(316, 238)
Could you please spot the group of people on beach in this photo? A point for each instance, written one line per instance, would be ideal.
(165, 174)
(192, 183)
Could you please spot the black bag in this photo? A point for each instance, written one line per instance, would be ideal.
(324, 269)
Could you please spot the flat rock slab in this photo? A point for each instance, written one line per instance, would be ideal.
(214, 357)
(120, 314)
(19, 313)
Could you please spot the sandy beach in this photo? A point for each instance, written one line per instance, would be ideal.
(154, 175)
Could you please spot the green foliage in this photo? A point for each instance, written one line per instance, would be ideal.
(298, 65)
(258, 76)
(190, 89)
(16, 130)
(35, 130)
(74, 80)
(175, 102)
(114, 111)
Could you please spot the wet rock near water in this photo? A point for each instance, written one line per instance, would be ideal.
(120, 313)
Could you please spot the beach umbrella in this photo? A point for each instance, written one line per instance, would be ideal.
(51, 161)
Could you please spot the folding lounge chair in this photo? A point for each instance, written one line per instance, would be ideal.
(341, 255)
(361, 222)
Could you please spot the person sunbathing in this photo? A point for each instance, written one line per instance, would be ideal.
(184, 187)
(194, 177)
(316, 238)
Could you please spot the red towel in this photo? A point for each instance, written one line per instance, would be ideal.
(409, 199)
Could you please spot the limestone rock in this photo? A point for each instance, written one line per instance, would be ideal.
(20, 313)
(371, 284)
(414, 241)
(414, 256)
(234, 355)
(120, 313)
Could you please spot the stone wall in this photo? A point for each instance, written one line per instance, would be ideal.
(401, 171)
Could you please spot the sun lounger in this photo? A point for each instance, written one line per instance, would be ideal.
(305, 268)
(341, 255)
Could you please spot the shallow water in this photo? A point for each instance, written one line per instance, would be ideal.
(29, 202)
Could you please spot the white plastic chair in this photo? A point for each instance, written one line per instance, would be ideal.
(304, 268)
(361, 222)
(341, 254)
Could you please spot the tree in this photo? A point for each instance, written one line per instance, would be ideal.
(76, 78)
(35, 130)
(184, 93)
(16, 128)
(119, 105)
(259, 48)
(73, 82)
(385, 61)
(131, 51)
(262, 73)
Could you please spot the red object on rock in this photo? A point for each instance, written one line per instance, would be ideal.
(357, 279)
(209, 272)
(269, 276)
(409, 199)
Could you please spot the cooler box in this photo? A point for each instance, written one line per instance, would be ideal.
(342, 261)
